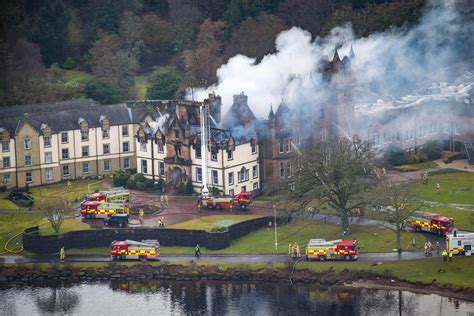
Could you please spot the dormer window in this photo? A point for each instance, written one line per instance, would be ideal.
(198, 152)
(47, 141)
(254, 148)
(27, 143)
(214, 155)
(5, 146)
(105, 133)
(230, 155)
(85, 135)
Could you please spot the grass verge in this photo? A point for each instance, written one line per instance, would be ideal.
(79, 189)
(208, 222)
(416, 166)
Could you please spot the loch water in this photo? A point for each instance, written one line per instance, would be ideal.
(218, 298)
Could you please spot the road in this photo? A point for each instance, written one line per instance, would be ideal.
(364, 257)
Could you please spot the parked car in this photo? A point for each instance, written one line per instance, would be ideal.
(18, 194)
(120, 220)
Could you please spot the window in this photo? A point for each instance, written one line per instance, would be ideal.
(126, 163)
(197, 150)
(289, 169)
(106, 165)
(27, 143)
(29, 177)
(282, 170)
(255, 185)
(243, 189)
(106, 148)
(48, 174)
(161, 148)
(85, 135)
(322, 114)
(143, 146)
(85, 167)
(281, 146)
(48, 157)
(85, 151)
(215, 177)
(457, 129)
(64, 138)
(230, 155)
(7, 178)
(398, 137)
(198, 174)
(6, 162)
(47, 141)
(105, 133)
(231, 192)
(230, 177)
(178, 150)
(288, 145)
(213, 155)
(323, 134)
(407, 135)
(254, 148)
(243, 174)
(65, 153)
(66, 171)
(125, 147)
(161, 166)
(27, 160)
(124, 130)
(255, 171)
(5, 146)
(144, 166)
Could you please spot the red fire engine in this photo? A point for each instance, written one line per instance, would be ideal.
(129, 249)
(320, 249)
(431, 222)
(241, 200)
(114, 195)
(94, 209)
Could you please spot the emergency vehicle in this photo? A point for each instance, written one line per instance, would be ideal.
(320, 249)
(241, 200)
(431, 222)
(129, 249)
(94, 209)
(114, 195)
(460, 244)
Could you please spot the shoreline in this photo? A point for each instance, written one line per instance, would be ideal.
(34, 274)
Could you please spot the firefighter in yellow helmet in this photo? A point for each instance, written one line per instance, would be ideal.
(445, 255)
(62, 254)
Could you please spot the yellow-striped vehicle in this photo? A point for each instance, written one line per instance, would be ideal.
(94, 209)
(320, 249)
(130, 249)
(431, 222)
(460, 244)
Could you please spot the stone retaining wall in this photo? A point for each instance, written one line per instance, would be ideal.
(36, 243)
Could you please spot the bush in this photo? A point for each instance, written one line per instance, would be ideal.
(120, 178)
(70, 63)
(422, 157)
(413, 159)
(394, 155)
(218, 229)
(433, 149)
(165, 84)
(103, 92)
(139, 177)
(141, 186)
(189, 189)
(131, 183)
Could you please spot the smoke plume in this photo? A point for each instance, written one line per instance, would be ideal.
(386, 65)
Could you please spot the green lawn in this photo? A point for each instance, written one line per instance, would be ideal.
(462, 219)
(141, 85)
(417, 166)
(455, 188)
(459, 272)
(79, 189)
(12, 224)
(6, 204)
(70, 224)
(208, 222)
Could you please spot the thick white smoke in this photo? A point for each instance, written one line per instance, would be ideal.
(386, 65)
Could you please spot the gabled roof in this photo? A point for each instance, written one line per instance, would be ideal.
(65, 116)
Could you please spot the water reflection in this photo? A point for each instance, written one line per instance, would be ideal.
(219, 298)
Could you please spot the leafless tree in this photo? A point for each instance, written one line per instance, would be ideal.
(395, 204)
(55, 211)
(338, 174)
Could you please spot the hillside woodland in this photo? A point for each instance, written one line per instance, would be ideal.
(52, 50)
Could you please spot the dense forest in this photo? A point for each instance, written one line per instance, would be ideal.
(112, 50)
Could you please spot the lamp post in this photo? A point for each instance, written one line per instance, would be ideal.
(276, 236)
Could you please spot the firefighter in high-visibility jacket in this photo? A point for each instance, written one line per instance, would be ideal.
(62, 254)
(295, 251)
